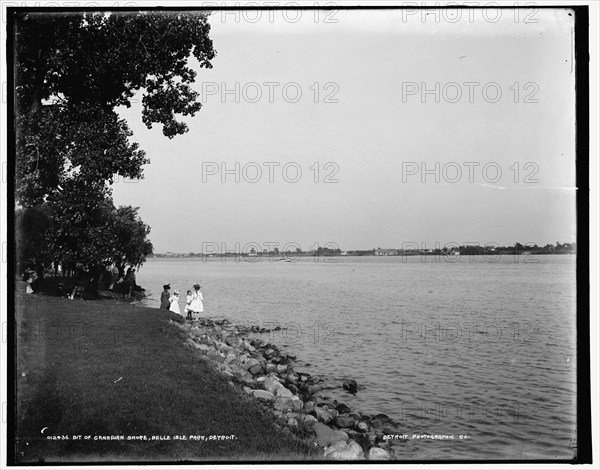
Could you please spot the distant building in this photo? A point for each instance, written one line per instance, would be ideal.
(386, 252)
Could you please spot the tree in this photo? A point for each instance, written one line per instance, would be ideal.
(130, 232)
(73, 70)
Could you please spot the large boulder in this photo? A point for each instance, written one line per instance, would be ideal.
(344, 451)
(336, 446)
(325, 436)
(377, 453)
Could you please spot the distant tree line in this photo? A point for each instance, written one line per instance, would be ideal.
(517, 248)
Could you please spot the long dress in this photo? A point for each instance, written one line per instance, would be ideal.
(164, 299)
(174, 300)
(197, 299)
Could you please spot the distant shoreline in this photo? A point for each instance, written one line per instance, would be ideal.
(354, 254)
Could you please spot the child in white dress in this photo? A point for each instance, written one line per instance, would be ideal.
(174, 301)
(197, 306)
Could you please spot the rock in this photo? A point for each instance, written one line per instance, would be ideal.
(344, 422)
(293, 422)
(377, 453)
(323, 414)
(255, 369)
(202, 347)
(241, 373)
(271, 385)
(309, 406)
(326, 436)
(271, 367)
(342, 408)
(250, 362)
(382, 419)
(362, 439)
(248, 390)
(284, 392)
(310, 418)
(230, 357)
(260, 358)
(263, 395)
(344, 451)
(355, 447)
(269, 353)
(336, 446)
(281, 368)
(362, 427)
(350, 385)
(297, 404)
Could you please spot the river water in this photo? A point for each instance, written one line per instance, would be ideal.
(475, 347)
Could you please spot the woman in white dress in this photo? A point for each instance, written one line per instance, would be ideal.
(197, 307)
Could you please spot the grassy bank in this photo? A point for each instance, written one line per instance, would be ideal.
(107, 368)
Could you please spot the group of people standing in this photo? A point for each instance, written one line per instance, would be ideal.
(193, 301)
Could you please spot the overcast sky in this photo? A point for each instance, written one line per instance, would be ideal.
(363, 122)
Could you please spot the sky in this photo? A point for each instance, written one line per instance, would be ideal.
(371, 129)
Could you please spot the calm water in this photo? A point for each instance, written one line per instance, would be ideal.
(472, 347)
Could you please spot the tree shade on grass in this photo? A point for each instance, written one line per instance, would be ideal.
(106, 368)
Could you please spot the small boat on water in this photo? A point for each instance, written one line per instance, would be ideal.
(287, 260)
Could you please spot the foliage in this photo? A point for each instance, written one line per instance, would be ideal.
(72, 71)
(88, 230)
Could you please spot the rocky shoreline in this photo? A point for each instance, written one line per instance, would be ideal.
(298, 400)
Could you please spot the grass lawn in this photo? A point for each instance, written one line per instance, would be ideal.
(107, 368)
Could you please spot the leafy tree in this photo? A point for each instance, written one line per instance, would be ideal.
(72, 71)
(130, 232)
